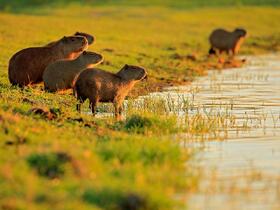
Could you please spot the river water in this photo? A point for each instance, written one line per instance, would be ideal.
(242, 170)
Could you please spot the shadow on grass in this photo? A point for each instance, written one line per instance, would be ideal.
(49, 165)
(115, 199)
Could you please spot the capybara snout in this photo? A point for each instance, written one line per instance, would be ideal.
(130, 72)
(92, 56)
(240, 32)
(79, 43)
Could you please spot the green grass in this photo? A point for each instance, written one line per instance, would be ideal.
(77, 162)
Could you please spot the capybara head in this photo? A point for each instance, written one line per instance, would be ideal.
(73, 43)
(240, 32)
(89, 37)
(91, 57)
(129, 72)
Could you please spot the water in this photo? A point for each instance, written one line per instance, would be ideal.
(242, 171)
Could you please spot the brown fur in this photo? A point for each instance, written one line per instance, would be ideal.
(225, 41)
(27, 66)
(89, 38)
(61, 74)
(101, 86)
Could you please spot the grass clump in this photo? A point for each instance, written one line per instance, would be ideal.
(49, 165)
(137, 124)
(150, 124)
(119, 199)
(115, 199)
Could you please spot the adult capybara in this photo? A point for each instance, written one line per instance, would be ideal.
(225, 41)
(61, 74)
(101, 86)
(27, 66)
(89, 38)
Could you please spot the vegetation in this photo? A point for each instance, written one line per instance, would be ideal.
(55, 158)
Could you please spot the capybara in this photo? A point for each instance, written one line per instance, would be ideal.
(89, 38)
(101, 86)
(225, 41)
(27, 66)
(61, 74)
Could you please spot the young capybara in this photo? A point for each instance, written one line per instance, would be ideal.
(101, 86)
(27, 66)
(225, 41)
(89, 38)
(61, 74)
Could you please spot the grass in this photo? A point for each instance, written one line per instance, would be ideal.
(72, 161)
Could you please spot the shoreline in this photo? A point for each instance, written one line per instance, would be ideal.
(159, 84)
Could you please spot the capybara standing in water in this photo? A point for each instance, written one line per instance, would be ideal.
(27, 66)
(101, 86)
(225, 41)
(61, 74)
(89, 38)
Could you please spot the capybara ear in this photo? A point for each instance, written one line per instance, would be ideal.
(126, 66)
(64, 39)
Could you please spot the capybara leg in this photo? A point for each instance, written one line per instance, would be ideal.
(212, 51)
(118, 110)
(93, 100)
(79, 105)
(231, 54)
(92, 105)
